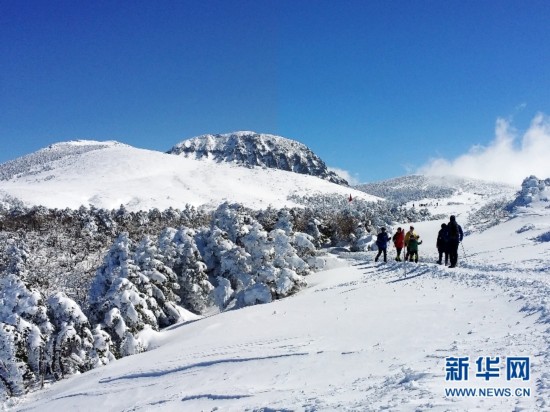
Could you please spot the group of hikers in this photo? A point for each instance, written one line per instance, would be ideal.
(449, 237)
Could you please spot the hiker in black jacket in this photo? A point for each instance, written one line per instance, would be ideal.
(455, 237)
(442, 244)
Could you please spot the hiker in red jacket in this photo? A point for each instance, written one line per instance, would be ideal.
(399, 242)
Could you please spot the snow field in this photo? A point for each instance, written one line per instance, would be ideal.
(362, 337)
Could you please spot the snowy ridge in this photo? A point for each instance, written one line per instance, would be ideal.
(108, 174)
(255, 149)
(419, 187)
(45, 159)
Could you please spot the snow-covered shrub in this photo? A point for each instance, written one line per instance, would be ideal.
(256, 293)
(489, 215)
(303, 243)
(311, 228)
(525, 228)
(101, 353)
(545, 237)
(223, 293)
(285, 222)
(361, 240)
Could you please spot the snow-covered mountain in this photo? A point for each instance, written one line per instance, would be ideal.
(108, 174)
(255, 149)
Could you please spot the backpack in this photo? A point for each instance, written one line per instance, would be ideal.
(452, 227)
(381, 239)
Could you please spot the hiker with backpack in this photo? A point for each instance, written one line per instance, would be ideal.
(382, 240)
(412, 248)
(399, 242)
(455, 237)
(442, 244)
(410, 234)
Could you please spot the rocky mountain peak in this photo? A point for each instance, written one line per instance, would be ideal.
(254, 149)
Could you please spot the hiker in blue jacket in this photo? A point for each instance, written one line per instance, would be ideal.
(382, 240)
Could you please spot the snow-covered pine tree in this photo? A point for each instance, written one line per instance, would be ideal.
(231, 218)
(72, 339)
(23, 315)
(195, 287)
(180, 252)
(13, 368)
(162, 287)
(292, 267)
(224, 259)
(263, 274)
(17, 255)
(117, 303)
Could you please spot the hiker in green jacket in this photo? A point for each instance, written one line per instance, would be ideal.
(412, 248)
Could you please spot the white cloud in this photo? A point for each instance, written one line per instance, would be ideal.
(352, 179)
(509, 158)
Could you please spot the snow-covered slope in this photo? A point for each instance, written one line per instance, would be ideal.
(425, 188)
(108, 174)
(254, 149)
(362, 337)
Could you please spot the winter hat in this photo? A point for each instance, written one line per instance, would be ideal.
(453, 218)
(443, 225)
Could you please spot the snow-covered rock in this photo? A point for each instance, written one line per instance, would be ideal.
(255, 149)
(533, 190)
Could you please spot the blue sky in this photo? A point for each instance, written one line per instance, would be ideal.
(377, 88)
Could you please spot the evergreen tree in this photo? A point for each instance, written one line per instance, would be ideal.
(72, 341)
(292, 267)
(162, 286)
(117, 303)
(181, 252)
(13, 368)
(23, 316)
(17, 256)
(231, 218)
